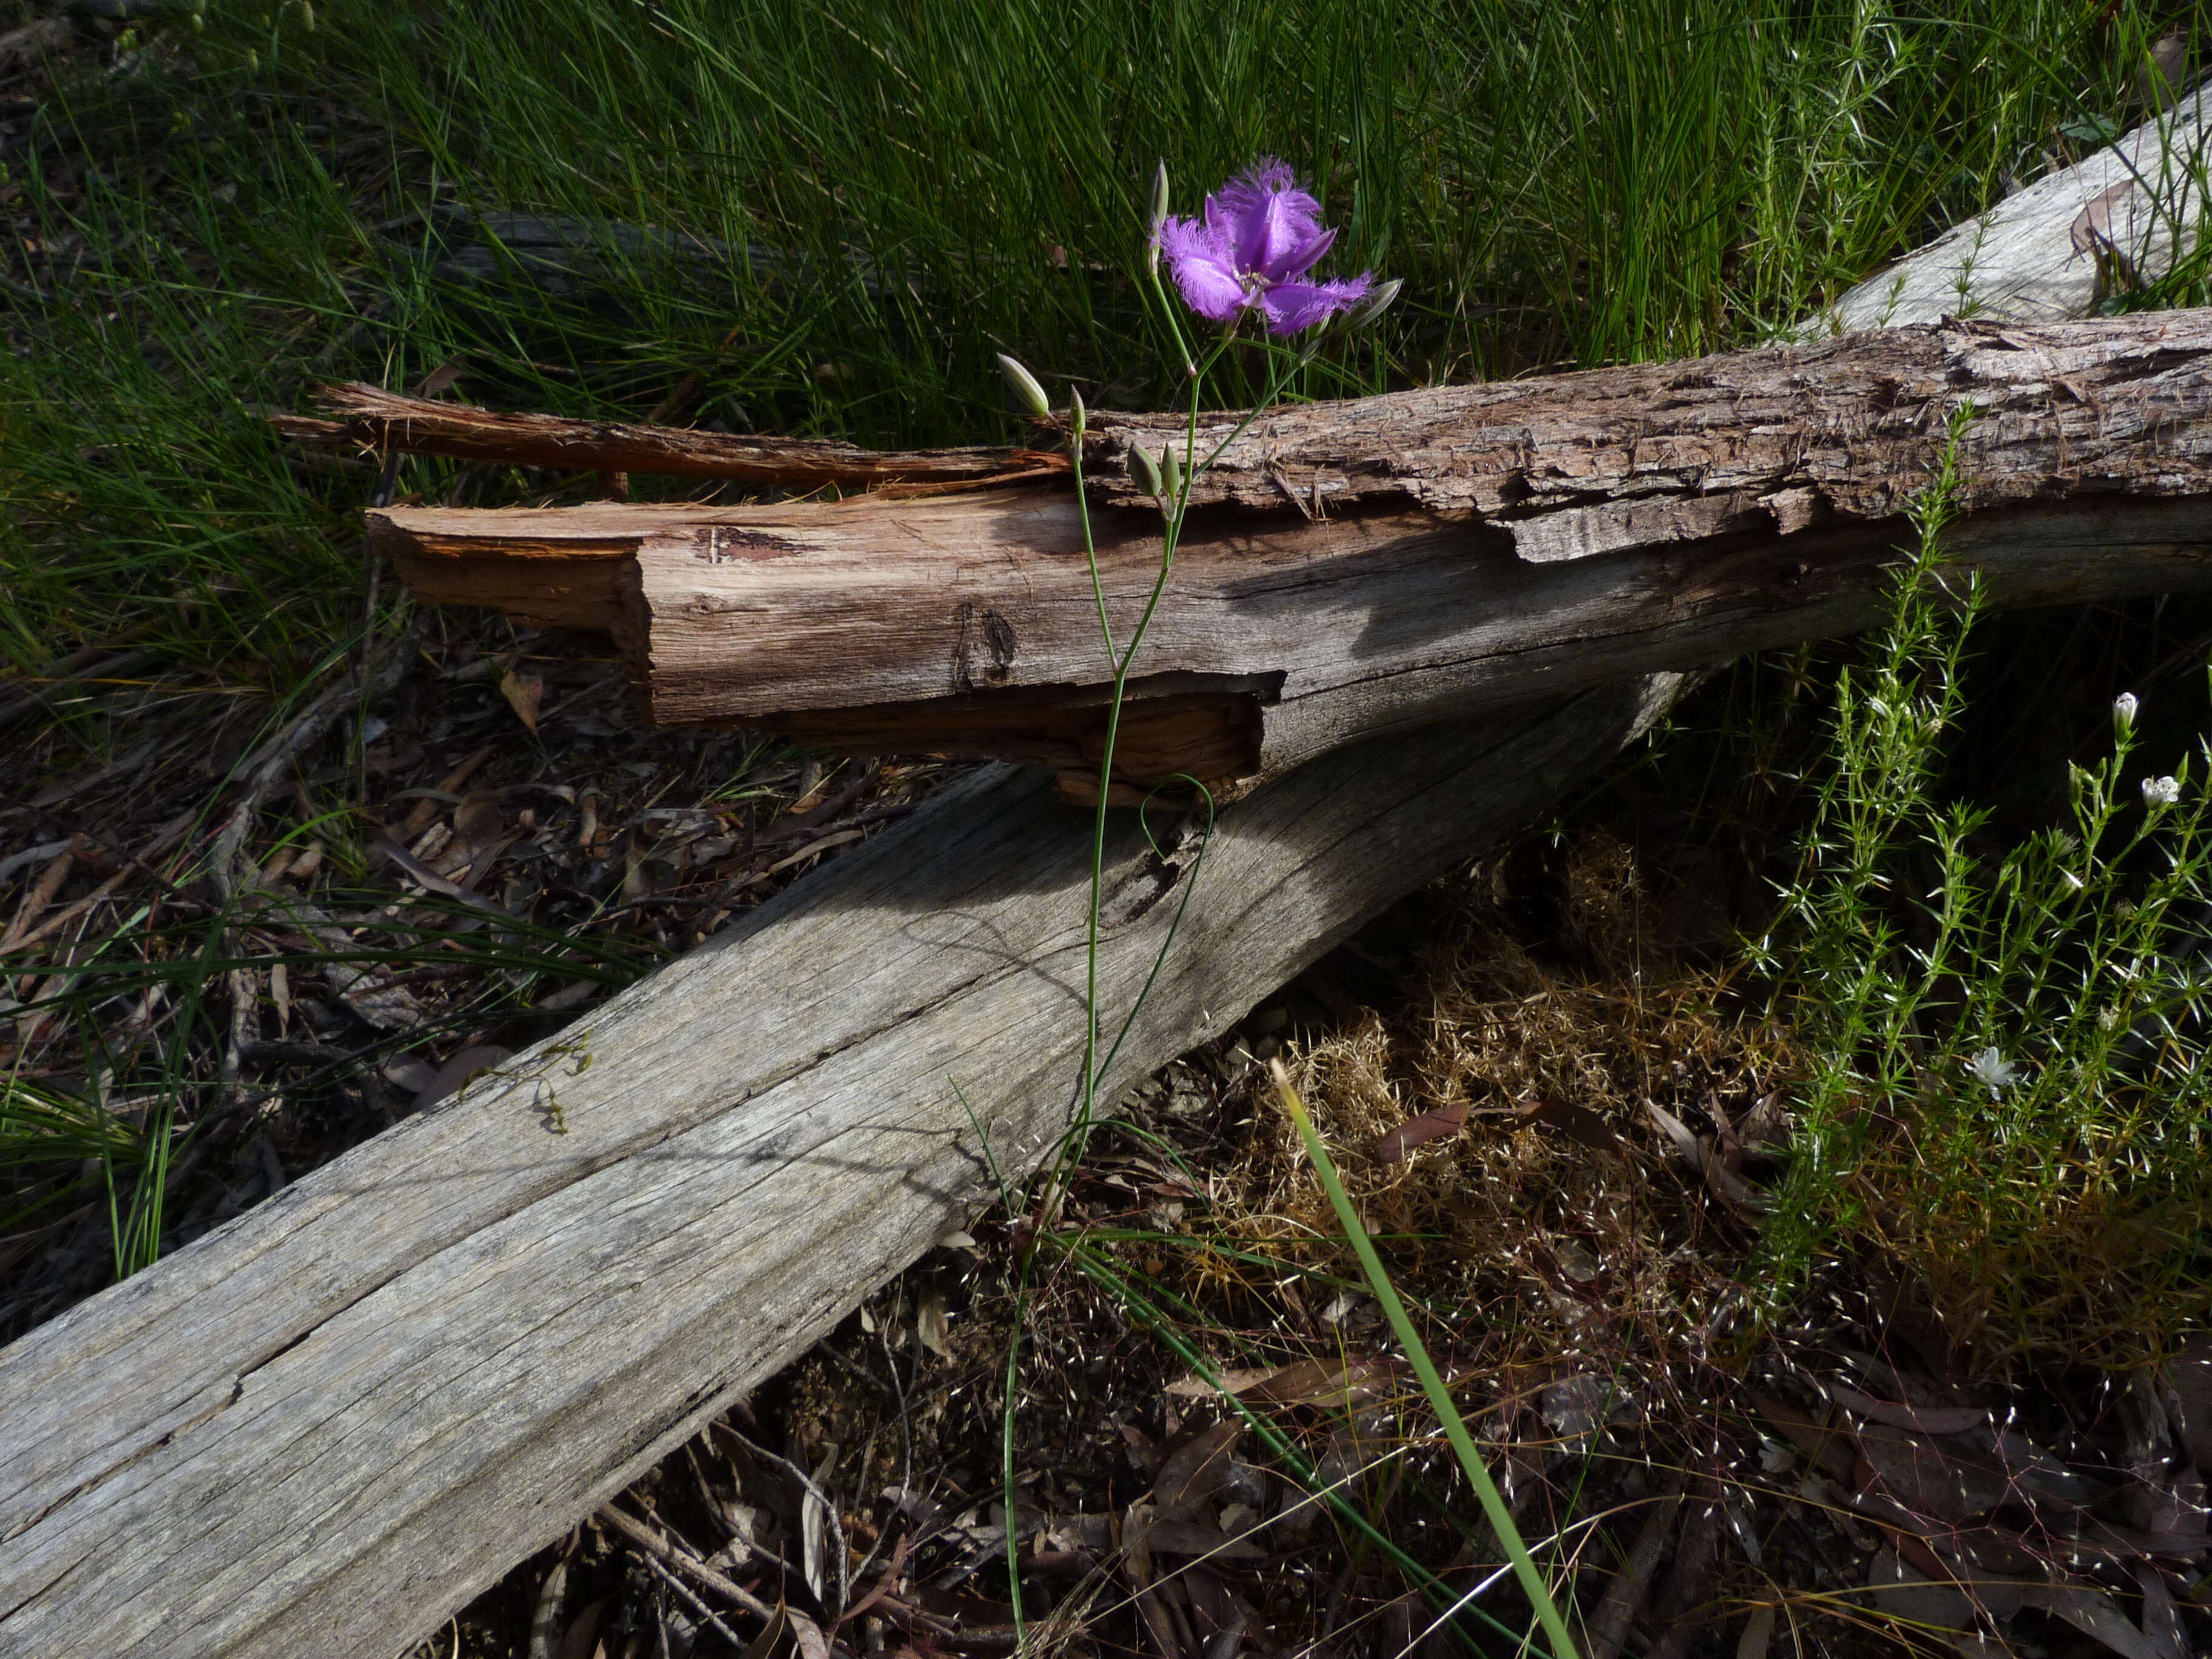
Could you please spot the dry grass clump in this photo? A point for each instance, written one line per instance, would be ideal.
(1499, 1137)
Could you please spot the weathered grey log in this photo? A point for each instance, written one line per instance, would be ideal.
(2054, 248)
(322, 1427)
(1368, 565)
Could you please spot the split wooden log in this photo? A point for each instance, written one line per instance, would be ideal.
(322, 1426)
(1354, 567)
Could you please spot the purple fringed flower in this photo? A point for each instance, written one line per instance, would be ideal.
(1260, 236)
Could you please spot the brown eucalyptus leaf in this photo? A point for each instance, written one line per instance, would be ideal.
(478, 819)
(1189, 1538)
(1234, 1381)
(1930, 1477)
(1575, 1122)
(1827, 1444)
(1922, 1420)
(2094, 224)
(1195, 1470)
(2189, 1378)
(1893, 1588)
(2095, 1614)
(1395, 1144)
(524, 693)
(451, 1078)
(1340, 1383)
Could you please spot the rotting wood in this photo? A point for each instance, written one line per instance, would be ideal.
(480, 1325)
(1479, 545)
(370, 417)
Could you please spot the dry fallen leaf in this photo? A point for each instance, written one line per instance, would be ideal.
(1419, 1131)
(2189, 1374)
(451, 1078)
(1231, 1381)
(1188, 1538)
(1342, 1383)
(1928, 1478)
(1923, 1419)
(2093, 226)
(523, 693)
(1577, 1122)
(478, 820)
(931, 1320)
(1193, 1471)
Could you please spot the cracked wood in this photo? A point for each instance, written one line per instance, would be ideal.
(1479, 545)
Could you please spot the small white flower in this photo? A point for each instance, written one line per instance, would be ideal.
(2124, 711)
(2160, 792)
(2108, 1018)
(1997, 1072)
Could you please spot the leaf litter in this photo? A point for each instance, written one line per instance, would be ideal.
(359, 908)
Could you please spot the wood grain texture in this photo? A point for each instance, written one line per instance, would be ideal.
(322, 1427)
(1563, 532)
(372, 417)
(1572, 466)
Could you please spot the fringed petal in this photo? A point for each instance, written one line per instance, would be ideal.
(1293, 307)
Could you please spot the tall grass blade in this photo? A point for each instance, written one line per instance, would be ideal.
(1417, 1353)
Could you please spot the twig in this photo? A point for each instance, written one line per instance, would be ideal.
(646, 1538)
(429, 878)
(545, 1618)
(49, 882)
(168, 836)
(884, 1585)
(264, 769)
(391, 422)
(21, 705)
(696, 1605)
(828, 1509)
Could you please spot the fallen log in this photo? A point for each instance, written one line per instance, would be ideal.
(2060, 246)
(1352, 568)
(325, 1425)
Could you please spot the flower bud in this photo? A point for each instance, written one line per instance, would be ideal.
(1075, 413)
(2160, 792)
(1023, 385)
(1142, 472)
(1171, 473)
(2123, 713)
(1158, 220)
(1374, 305)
